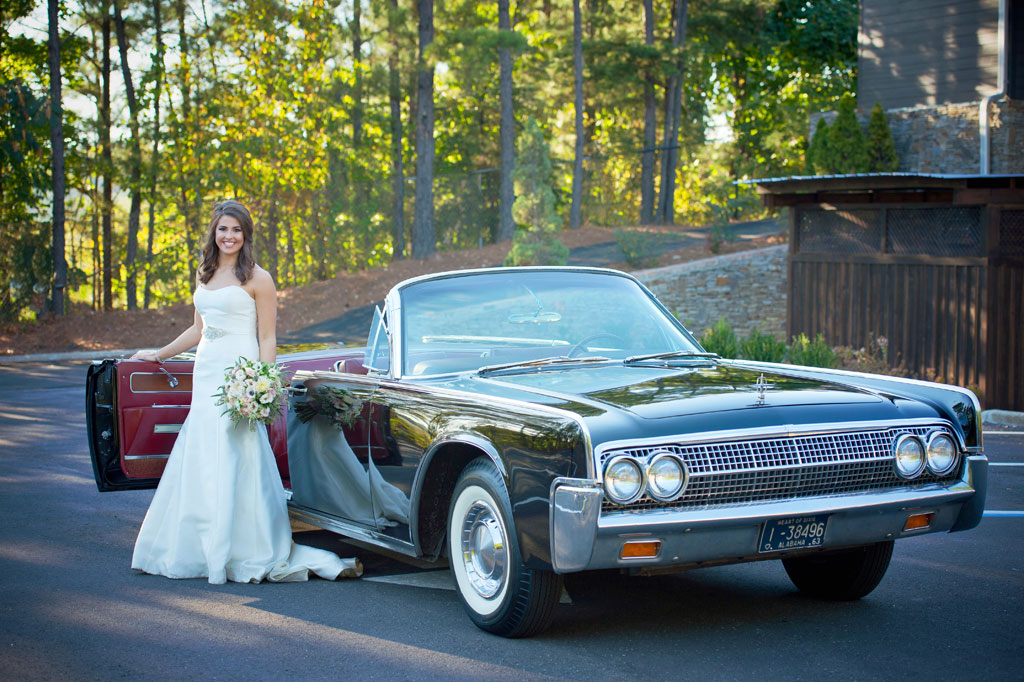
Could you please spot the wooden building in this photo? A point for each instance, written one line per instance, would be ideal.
(933, 263)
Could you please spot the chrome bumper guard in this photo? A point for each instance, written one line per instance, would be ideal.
(583, 539)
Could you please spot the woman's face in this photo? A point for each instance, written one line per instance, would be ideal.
(229, 235)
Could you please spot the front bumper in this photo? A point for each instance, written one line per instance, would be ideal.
(582, 539)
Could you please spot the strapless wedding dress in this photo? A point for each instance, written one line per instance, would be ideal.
(220, 509)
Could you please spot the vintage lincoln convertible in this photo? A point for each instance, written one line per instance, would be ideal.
(527, 423)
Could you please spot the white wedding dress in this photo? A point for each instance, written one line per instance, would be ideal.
(220, 509)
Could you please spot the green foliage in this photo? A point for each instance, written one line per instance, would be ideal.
(762, 347)
(720, 232)
(720, 339)
(817, 151)
(816, 353)
(847, 149)
(269, 102)
(537, 221)
(641, 247)
(880, 147)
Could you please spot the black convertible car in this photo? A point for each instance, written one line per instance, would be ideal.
(527, 423)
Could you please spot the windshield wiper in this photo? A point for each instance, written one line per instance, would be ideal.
(671, 355)
(542, 362)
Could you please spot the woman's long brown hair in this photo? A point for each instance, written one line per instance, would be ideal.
(211, 252)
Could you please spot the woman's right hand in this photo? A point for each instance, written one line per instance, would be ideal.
(147, 356)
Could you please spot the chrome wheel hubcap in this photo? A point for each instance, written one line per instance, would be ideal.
(484, 552)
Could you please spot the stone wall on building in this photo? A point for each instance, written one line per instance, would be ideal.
(747, 289)
(946, 139)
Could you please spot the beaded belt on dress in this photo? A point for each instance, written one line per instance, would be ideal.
(212, 333)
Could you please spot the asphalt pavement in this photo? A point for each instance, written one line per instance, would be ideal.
(72, 609)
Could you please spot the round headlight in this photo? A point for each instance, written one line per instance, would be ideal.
(908, 454)
(623, 480)
(666, 476)
(941, 454)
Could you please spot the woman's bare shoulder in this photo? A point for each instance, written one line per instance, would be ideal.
(261, 279)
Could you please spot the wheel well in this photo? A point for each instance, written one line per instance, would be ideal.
(438, 484)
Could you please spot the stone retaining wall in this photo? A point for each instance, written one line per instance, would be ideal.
(747, 289)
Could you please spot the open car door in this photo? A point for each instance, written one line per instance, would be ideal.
(134, 411)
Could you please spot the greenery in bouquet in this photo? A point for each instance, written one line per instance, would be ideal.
(336, 405)
(253, 392)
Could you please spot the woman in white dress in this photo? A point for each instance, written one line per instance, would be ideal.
(220, 509)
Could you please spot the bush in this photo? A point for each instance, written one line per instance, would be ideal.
(847, 150)
(641, 248)
(814, 353)
(720, 232)
(817, 150)
(720, 339)
(537, 221)
(874, 358)
(881, 149)
(762, 347)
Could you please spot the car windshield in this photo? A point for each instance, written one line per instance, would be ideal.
(485, 319)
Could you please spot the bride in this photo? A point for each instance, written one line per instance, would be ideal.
(220, 511)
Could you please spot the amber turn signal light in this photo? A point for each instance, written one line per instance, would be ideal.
(918, 521)
(640, 549)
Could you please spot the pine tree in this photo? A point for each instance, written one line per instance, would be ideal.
(881, 149)
(537, 222)
(817, 151)
(847, 149)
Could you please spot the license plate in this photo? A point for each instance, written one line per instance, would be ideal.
(795, 532)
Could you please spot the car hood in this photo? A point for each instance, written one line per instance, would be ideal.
(661, 392)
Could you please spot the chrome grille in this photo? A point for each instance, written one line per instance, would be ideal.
(782, 467)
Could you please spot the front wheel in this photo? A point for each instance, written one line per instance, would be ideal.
(843, 575)
(499, 593)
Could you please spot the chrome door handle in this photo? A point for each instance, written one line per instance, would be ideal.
(171, 379)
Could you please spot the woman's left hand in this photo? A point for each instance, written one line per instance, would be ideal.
(147, 356)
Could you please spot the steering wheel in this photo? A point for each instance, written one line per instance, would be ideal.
(582, 343)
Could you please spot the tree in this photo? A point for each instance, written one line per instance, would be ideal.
(817, 150)
(650, 126)
(135, 182)
(881, 148)
(847, 151)
(537, 221)
(395, 103)
(506, 226)
(424, 240)
(60, 265)
(673, 111)
(575, 211)
(158, 69)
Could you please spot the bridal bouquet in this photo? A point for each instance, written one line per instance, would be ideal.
(253, 392)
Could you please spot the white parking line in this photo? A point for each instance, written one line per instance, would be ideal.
(1006, 464)
(1011, 514)
(1003, 433)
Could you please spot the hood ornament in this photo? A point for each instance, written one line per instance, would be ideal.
(762, 387)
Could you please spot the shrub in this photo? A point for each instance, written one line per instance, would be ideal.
(817, 150)
(873, 358)
(720, 232)
(881, 149)
(762, 347)
(537, 221)
(641, 248)
(720, 339)
(814, 353)
(847, 150)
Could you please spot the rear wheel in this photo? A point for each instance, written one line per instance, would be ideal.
(844, 575)
(499, 593)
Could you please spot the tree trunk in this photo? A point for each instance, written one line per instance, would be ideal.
(155, 165)
(395, 98)
(270, 240)
(575, 211)
(506, 193)
(60, 265)
(650, 125)
(185, 173)
(424, 241)
(107, 165)
(135, 181)
(357, 73)
(673, 111)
